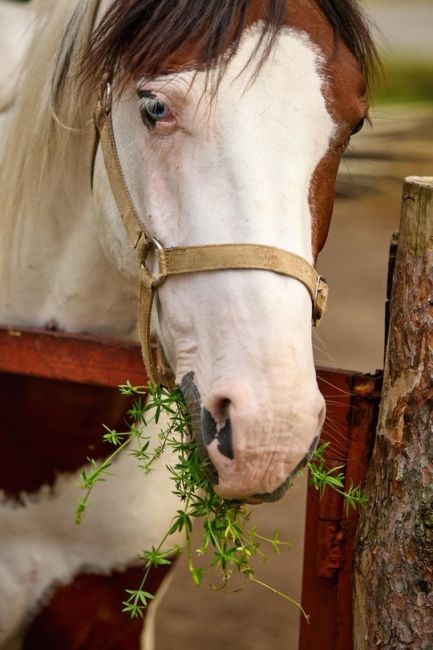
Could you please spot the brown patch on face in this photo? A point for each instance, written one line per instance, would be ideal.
(345, 95)
(344, 91)
(346, 101)
(321, 197)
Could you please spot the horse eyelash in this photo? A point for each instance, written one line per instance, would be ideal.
(149, 102)
(146, 94)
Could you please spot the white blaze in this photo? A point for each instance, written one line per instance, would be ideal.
(236, 170)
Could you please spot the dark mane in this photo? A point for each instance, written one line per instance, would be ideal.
(351, 23)
(136, 36)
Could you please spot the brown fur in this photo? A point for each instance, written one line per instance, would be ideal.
(87, 613)
(36, 446)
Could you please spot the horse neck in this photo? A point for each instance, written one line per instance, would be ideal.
(53, 269)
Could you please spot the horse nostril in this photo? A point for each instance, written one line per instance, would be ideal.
(216, 425)
(221, 410)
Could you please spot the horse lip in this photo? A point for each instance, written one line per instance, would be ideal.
(280, 491)
(253, 501)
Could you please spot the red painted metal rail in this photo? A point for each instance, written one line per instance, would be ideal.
(352, 407)
(74, 358)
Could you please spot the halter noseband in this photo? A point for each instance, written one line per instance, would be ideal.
(192, 259)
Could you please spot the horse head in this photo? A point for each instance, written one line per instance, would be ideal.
(234, 136)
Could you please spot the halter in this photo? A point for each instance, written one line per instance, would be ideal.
(192, 259)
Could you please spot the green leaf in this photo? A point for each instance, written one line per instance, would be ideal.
(197, 576)
(276, 543)
(155, 557)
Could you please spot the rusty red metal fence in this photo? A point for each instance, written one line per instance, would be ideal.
(352, 403)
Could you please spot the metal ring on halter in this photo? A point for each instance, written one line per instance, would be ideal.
(153, 280)
(317, 306)
(107, 97)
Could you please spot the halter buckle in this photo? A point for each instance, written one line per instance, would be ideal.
(149, 278)
(105, 96)
(320, 299)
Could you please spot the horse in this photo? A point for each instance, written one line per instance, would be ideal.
(228, 121)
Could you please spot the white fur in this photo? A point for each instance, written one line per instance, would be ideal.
(236, 171)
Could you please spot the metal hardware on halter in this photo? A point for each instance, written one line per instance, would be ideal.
(151, 280)
(189, 259)
(320, 299)
(107, 97)
(105, 100)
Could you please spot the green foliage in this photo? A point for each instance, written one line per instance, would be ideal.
(228, 540)
(322, 476)
(405, 81)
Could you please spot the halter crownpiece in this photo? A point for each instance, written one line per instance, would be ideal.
(192, 259)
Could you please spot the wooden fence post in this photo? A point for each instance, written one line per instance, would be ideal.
(393, 567)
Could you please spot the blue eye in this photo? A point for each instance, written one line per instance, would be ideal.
(152, 110)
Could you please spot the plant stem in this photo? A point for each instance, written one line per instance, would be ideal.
(283, 595)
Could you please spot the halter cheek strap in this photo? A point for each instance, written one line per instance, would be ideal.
(192, 259)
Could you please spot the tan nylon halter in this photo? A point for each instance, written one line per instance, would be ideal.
(192, 259)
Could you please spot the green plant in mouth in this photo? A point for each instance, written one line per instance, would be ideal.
(228, 539)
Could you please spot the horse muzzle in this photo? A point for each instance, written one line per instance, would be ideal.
(246, 459)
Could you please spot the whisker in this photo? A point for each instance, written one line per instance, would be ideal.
(332, 431)
(333, 427)
(337, 399)
(340, 390)
(324, 348)
(351, 407)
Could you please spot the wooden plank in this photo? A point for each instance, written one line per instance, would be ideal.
(103, 361)
(75, 358)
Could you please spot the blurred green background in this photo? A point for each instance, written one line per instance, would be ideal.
(408, 81)
(404, 33)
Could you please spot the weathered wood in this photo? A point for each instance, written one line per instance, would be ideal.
(393, 248)
(394, 550)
